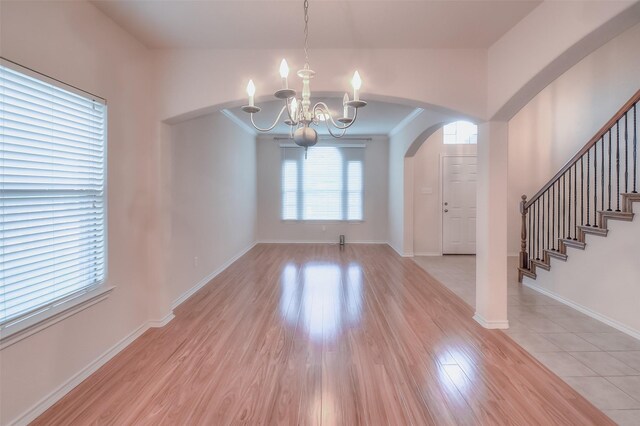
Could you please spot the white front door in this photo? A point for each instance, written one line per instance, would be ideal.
(459, 205)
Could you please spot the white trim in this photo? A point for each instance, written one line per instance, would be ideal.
(593, 314)
(187, 294)
(405, 121)
(491, 325)
(52, 315)
(330, 242)
(161, 322)
(428, 253)
(441, 200)
(398, 251)
(238, 122)
(46, 402)
(334, 145)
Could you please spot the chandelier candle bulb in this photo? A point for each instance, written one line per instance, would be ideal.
(251, 91)
(345, 101)
(284, 73)
(356, 82)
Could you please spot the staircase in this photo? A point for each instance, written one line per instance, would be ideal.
(600, 183)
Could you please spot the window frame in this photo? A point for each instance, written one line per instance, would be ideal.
(344, 191)
(37, 319)
(457, 123)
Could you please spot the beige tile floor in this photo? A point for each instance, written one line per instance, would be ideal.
(598, 361)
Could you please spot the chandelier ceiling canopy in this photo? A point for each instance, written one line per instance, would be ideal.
(300, 114)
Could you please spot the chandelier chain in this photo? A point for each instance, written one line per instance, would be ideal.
(306, 30)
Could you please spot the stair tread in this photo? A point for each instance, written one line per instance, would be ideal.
(556, 254)
(541, 264)
(573, 243)
(616, 213)
(527, 273)
(594, 230)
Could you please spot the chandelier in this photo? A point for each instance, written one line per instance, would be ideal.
(300, 114)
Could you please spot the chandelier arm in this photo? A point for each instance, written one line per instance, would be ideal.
(335, 135)
(275, 123)
(322, 105)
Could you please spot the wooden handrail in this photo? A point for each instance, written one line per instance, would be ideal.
(635, 98)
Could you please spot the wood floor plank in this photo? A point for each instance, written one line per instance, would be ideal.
(322, 335)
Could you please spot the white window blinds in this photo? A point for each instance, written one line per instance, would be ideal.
(327, 185)
(52, 194)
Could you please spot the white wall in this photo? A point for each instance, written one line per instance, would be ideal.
(213, 198)
(403, 145)
(610, 293)
(200, 79)
(561, 119)
(427, 207)
(546, 43)
(372, 229)
(74, 42)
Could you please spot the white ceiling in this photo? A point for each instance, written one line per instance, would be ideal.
(246, 24)
(377, 118)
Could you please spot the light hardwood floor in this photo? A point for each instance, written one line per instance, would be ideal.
(312, 334)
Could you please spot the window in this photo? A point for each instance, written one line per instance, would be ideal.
(327, 185)
(460, 132)
(52, 194)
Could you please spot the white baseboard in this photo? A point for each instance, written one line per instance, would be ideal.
(401, 254)
(317, 242)
(427, 253)
(587, 311)
(41, 406)
(162, 322)
(187, 294)
(499, 325)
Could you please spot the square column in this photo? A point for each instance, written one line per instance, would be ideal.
(491, 225)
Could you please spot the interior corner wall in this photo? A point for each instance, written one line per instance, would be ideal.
(271, 228)
(427, 189)
(77, 44)
(562, 118)
(213, 200)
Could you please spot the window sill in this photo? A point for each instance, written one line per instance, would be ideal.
(17, 330)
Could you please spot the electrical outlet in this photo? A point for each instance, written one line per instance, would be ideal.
(324, 228)
(196, 260)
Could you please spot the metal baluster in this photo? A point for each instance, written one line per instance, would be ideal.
(569, 211)
(618, 166)
(589, 182)
(635, 152)
(538, 229)
(595, 185)
(582, 190)
(575, 201)
(543, 226)
(553, 216)
(564, 210)
(626, 153)
(530, 212)
(602, 174)
(609, 182)
(548, 230)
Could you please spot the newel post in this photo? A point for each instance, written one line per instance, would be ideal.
(524, 258)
